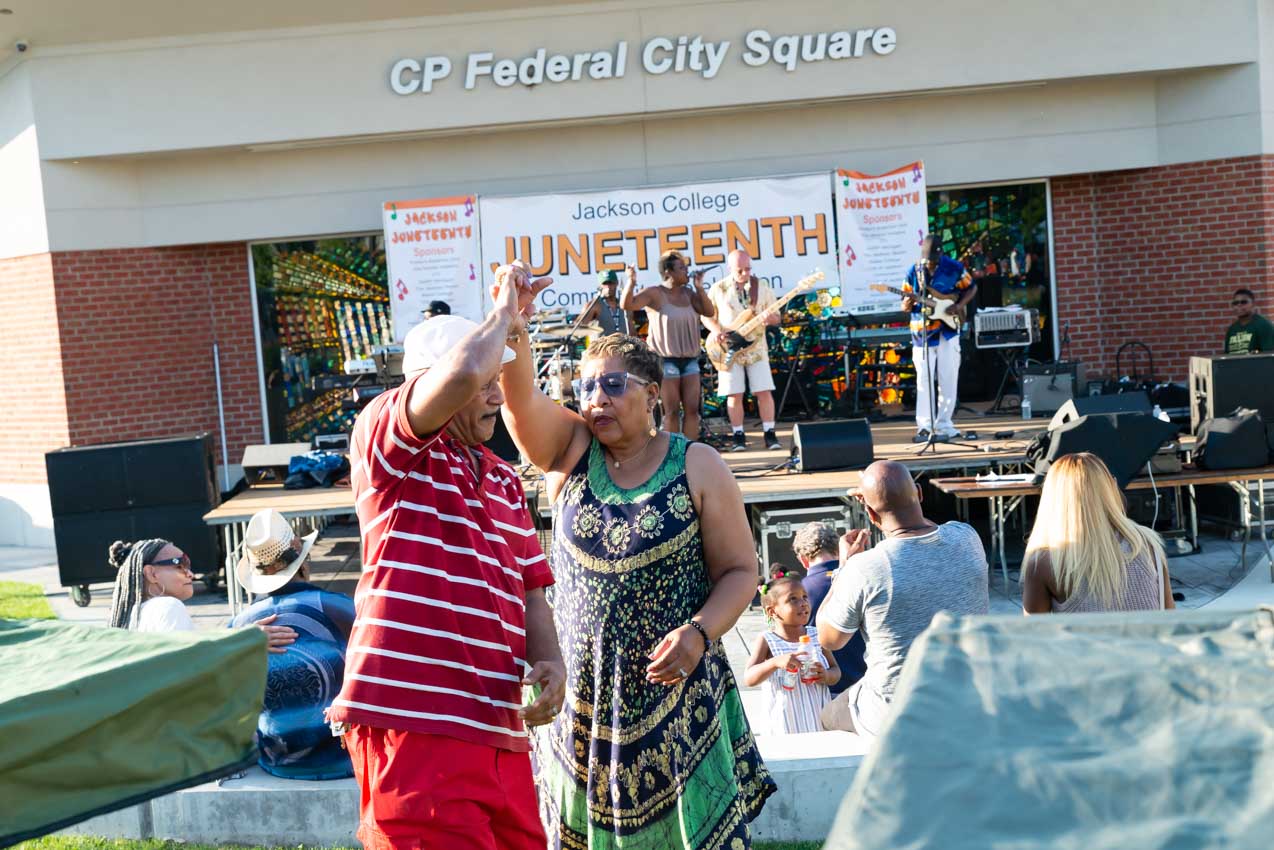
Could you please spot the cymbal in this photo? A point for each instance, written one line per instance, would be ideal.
(589, 330)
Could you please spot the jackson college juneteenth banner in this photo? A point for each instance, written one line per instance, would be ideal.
(431, 253)
(880, 220)
(785, 225)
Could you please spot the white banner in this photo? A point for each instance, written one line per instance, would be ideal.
(880, 221)
(431, 254)
(785, 225)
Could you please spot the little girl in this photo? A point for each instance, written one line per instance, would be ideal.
(787, 608)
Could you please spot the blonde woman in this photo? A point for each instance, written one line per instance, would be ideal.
(1085, 554)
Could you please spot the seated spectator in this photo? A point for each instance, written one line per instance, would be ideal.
(795, 684)
(152, 581)
(437, 308)
(892, 591)
(1085, 554)
(815, 546)
(295, 739)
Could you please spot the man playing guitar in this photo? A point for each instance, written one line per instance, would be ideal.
(732, 295)
(933, 342)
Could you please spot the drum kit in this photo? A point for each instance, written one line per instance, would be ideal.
(557, 345)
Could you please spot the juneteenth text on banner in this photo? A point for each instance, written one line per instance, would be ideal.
(706, 244)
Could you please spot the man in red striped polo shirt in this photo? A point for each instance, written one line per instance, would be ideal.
(451, 615)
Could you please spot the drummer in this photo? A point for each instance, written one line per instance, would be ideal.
(605, 311)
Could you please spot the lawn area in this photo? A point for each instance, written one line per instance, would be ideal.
(78, 843)
(22, 601)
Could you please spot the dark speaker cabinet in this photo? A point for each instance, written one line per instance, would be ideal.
(131, 491)
(1218, 385)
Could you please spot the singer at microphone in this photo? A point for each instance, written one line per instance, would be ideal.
(604, 310)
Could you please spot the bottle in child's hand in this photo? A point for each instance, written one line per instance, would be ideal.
(791, 675)
(809, 672)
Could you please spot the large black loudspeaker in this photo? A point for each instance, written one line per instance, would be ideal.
(1124, 441)
(1220, 385)
(836, 444)
(1137, 402)
(131, 491)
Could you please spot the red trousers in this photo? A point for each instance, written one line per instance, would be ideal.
(431, 792)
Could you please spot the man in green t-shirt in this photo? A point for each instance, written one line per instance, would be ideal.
(1250, 332)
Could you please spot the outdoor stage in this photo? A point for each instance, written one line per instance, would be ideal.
(890, 441)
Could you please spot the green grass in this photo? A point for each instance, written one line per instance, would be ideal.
(51, 842)
(22, 601)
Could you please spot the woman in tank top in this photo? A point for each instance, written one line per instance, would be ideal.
(1084, 553)
(673, 309)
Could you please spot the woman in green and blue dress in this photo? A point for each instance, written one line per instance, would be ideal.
(653, 561)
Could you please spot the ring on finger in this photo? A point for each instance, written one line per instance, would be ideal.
(683, 672)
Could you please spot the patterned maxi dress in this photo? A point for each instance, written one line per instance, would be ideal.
(628, 763)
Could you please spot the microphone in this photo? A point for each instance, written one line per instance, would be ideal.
(704, 270)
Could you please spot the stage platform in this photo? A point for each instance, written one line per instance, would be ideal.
(891, 440)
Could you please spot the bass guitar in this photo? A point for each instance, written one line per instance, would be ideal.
(748, 329)
(942, 307)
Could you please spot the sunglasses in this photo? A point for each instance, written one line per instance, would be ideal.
(1242, 303)
(183, 562)
(614, 384)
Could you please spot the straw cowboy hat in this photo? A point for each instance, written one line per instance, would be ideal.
(269, 539)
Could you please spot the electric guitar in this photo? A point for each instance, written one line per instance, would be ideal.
(943, 307)
(748, 328)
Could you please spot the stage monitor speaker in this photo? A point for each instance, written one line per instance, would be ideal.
(1221, 385)
(1137, 402)
(1124, 441)
(834, 444)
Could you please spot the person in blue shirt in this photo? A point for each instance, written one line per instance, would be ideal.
(816, 545)
(293, 736)
(935, 345)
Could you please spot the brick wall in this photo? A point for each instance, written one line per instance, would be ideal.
(30, 369)
(1154, 254)
(137, 328)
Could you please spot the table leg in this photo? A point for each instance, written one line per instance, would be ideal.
(1001, 539)
(1194, 521)
(1260, 506)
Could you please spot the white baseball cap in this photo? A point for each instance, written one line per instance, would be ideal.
(429, 341)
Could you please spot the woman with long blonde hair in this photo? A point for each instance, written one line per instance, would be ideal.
(1084, 553)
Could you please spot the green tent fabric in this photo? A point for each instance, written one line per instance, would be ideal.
(96, 719)
(1146, 730)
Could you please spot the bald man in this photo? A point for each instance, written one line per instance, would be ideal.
(734, 293)
(891, 591)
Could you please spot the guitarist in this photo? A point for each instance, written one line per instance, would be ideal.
(738, 291)
(934, 343)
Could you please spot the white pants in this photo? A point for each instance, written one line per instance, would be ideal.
(945, 359)
(758, 376)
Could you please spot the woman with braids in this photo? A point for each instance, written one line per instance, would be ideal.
(653, 563)
(152, 580)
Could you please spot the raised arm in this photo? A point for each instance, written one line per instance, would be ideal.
(452, 382)
(699, 297)
(542, 429)
(631, 299)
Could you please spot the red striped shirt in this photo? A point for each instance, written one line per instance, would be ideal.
(439, 643)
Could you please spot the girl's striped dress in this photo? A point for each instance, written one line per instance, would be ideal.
(796, 710)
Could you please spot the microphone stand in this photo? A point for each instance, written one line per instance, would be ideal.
(922, 281)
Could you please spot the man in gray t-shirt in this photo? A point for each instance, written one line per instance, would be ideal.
(892, 590)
